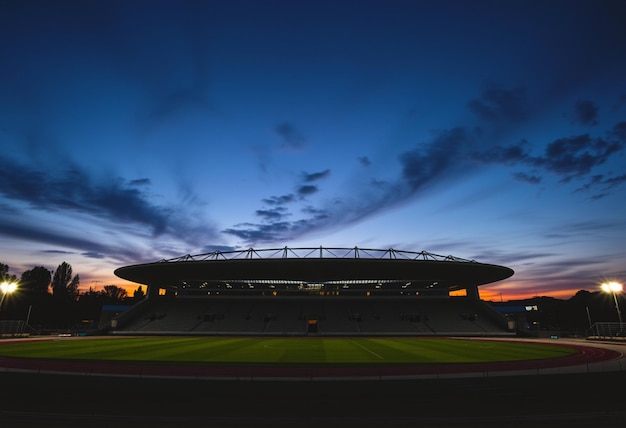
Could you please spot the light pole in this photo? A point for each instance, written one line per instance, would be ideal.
(613, 287)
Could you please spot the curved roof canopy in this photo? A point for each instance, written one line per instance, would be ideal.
(317, 265)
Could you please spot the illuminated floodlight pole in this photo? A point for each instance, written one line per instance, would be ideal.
(613, 287)
(6, 288)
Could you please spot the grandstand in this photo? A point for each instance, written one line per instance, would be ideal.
(297, 291)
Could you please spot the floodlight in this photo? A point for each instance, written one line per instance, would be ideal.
(613, 287)
(8, 287)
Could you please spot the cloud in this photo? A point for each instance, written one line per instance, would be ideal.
(586, 113)
(74, 190)
(46, 236)
(306, 190)
(427, 163)
(445, 157)
(263, 155)
(274, 226)
(527, 178)
(501, 105)
(448, 155)
(316, 212)
(613, 181)
(308, 178)
(56, 252)
(279, 200)
(619, 132)
(302, 190)
(171, 105)
(576, 156)
(282, 231)
(573, 272)
(364, 161)
(512, 258)
(220, 248)
(621, 101)
(506, 155)
(93, 255)
(140, 182)
(568, 157)
(291, 137)
(254, 233)
(586, 227)
(275, 214)
(58, 241)
(603, 183)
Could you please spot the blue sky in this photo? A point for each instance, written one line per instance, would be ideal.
(134, 131)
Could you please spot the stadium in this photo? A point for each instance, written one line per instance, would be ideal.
(314, 290)
(311, 337)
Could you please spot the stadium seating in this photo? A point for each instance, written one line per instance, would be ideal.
(331, 315)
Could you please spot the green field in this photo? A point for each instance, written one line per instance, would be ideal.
(282, 350)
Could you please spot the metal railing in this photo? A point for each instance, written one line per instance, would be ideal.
(13, 328)
(607, 330)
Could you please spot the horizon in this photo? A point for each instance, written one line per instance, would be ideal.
(130, 287)
(146, 130)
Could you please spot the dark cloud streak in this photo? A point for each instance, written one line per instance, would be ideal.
(364, 161)
(310, 177)
(576, 156)
(501, 105)
(45, 236)
(429, 162)
(73, 189)
(307, 190)
(279, 200)
(586, 113)
(448, 156)
(275, 214)
(290, 136)
(567, 157)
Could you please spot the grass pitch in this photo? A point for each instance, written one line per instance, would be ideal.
(283, 351)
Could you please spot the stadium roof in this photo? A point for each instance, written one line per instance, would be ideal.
(317, 264)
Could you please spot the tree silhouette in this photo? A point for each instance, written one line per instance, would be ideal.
(114, 292)
(36, 282)
(4, 274)
(139, 293)
(64, 285)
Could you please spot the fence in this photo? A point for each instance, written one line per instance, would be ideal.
(12, 328)
(608, 330)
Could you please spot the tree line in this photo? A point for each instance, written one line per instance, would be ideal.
(51, 300)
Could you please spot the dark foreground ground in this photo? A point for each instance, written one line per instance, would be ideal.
(29, 400)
